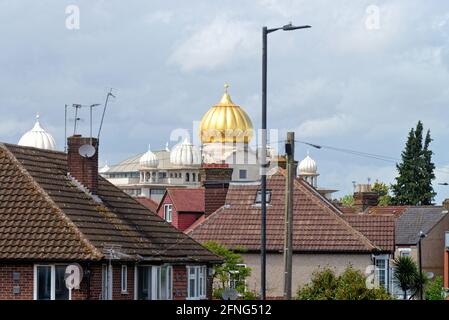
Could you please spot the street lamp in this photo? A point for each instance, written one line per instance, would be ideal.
(422, 235)
(265, 32)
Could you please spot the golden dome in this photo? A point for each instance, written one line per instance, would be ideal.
(226, 122)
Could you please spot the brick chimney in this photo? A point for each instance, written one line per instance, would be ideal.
(446, 204)
(83, 169)
(364, 197)
(215, 179)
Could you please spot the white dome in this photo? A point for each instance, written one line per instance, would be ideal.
(185, 154)
(149, 159)
(307, 166)
(38, 137)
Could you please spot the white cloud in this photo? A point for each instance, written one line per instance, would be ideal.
(215, 44)
(336, 125)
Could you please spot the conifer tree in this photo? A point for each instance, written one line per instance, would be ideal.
(415, 173)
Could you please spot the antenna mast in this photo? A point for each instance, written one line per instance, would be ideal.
(104, 111)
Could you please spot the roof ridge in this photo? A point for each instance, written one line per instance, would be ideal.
(94, 250)
(305, 186)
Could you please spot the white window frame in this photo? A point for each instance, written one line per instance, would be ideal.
(124, 279)
(106, 281)
(199, 278)
(405, 250)
(52, 280)
(385, 270)
(156, 282)
(232, 272)
(168, 212)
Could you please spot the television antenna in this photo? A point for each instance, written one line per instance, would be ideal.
(109, 94)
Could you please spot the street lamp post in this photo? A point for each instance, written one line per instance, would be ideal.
(265, 32)
(422, 235)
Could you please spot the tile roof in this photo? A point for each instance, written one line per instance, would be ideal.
(416, 219)
(318, 224)
(395, 210)
(379, 229)
(187, 199)
(149, 203)
(45, 215)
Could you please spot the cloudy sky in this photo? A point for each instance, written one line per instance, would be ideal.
(359, 79)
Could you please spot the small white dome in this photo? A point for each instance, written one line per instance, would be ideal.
(185, 154)
(149, 159)
(307, 166)
(38, 137)
(104, 169)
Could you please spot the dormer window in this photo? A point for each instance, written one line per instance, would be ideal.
(258, 199)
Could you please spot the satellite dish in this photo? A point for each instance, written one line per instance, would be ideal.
(86, 151)
(230, 294)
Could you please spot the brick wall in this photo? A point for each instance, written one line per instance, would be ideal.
(179, 282)
(215, 179)
(24, 283)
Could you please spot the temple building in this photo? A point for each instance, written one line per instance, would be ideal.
(225, 133)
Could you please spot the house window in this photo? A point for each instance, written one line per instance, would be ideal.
(242, 174)
(259, 196)
(196, 282)
(168, 209)
(124, 279)
(154, 283)
(193, 177)
(187, 177)
(49, 283)
(106, 282)
(405, 252)
(381, 274)
(235, 280)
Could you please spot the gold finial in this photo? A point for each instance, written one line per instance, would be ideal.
(226, 99)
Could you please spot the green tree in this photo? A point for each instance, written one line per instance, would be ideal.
(347, 200)
(407, 274)
(233, 270)
(415, 173)
(383, 191)
(429, 175)
(350, 285)
(434, 290)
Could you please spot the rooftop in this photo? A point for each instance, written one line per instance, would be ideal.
(45, 215)
(318, 225)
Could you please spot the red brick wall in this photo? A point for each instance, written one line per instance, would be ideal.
(84, 170)
(185, 219)
(179, 282)
(214, 197)
(117, 286)
(7, 283)
(26, 283)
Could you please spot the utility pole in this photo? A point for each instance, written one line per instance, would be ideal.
(422, 235)
(288, 235)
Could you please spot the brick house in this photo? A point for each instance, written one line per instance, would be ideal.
(56, 211)
(322, 236)
(181, 206)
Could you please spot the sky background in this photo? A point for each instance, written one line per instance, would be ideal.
(347, 82)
